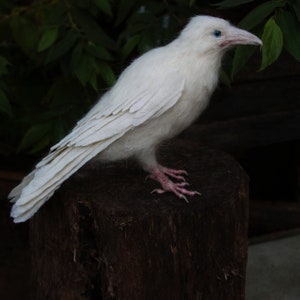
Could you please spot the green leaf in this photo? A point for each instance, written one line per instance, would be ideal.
(232, 3)
(33, 136)
(260, 13)
(145, 44)
(85, 69)
(92, 29)
(25, 34)
(104, 6)
(98, 51)
(106, 73)
(225, 78)
(272, 43)
(290, 27)
(94, 81)
(76, 56)
(5, 106)
(61, 47)
(47, 39)
(130, 45)
(241, 57)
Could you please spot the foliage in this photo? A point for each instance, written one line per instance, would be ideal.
(57, 56)
(278, 24)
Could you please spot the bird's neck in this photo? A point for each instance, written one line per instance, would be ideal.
(201, 70)
(196, 60)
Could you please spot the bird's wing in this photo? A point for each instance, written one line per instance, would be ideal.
(104, 124)
(134, 106)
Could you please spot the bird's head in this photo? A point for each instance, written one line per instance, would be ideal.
(207, 34)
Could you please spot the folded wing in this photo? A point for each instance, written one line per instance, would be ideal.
(126, 106)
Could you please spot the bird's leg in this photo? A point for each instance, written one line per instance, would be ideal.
(167, 185)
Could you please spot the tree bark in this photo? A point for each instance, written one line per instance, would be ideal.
(105, 236)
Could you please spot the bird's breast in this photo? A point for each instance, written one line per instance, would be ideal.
(199, 83)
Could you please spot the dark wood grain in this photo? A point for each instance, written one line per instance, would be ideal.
(104, 236)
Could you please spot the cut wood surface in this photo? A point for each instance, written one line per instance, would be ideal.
(105, 236)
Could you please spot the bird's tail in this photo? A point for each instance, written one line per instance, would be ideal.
(38, 186)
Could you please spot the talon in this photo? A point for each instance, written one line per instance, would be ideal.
(182, 184)
(160, 174)
(185, 198)
(174, 173)
(184, 172)
(158, 191)
(179, 178)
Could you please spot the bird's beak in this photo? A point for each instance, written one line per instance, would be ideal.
(236, 36)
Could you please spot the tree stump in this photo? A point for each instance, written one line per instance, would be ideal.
(105, 236)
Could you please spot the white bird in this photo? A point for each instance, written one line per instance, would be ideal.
(155, 98)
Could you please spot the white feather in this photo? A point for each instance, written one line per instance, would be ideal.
(155, 98)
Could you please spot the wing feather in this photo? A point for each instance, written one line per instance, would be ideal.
(139, 106)
(133, 101)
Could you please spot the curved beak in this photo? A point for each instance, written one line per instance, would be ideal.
(236, 36)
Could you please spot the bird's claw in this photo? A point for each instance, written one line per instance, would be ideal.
(177, 188)
(176, 174)
(161, 174)
(178, 191)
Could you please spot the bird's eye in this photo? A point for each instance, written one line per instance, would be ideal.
(217, 33)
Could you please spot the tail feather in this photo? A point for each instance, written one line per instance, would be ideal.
(22, 217)
(37, 187)
(29, 202)
(45, 184)
(16, 192)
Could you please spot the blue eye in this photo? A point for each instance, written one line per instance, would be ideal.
(217, 33)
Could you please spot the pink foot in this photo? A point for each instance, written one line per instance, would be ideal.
(159, 174)
(173, 173)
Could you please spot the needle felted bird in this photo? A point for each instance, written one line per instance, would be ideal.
(155, 98)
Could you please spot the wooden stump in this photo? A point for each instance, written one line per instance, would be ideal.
(105, 236)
